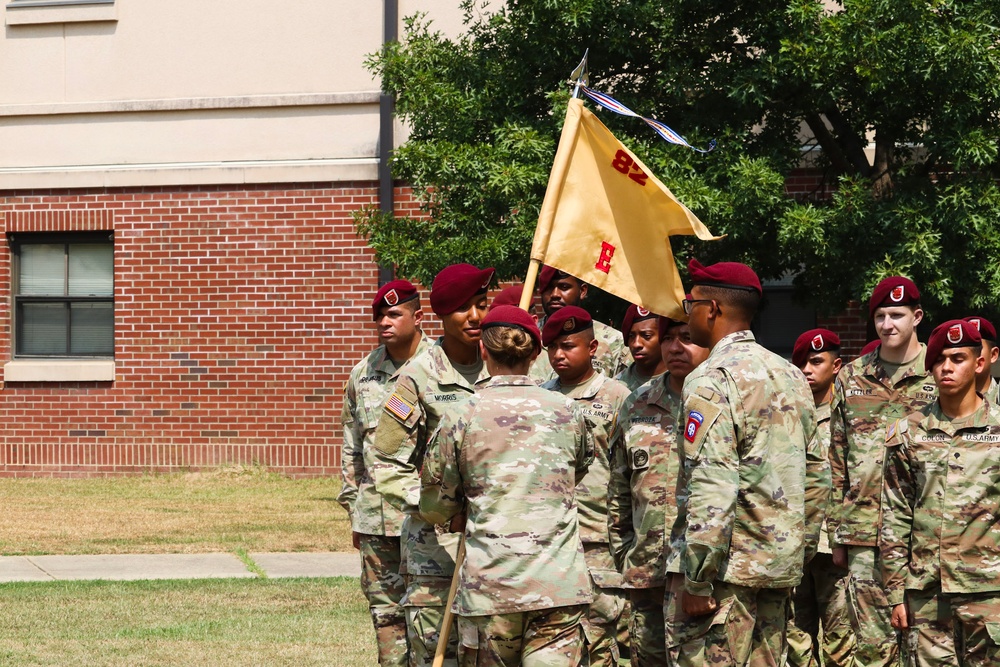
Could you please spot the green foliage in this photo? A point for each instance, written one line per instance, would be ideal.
(897, 102)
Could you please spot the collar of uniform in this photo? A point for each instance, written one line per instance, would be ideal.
(823, 412)
(585, 390)
(508, 381)
(383, 364)
(743, 336)
(446, 372)
(936, 420)
(660, 394)
(875, 369)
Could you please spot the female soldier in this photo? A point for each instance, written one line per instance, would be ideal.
(514, 454)
(429, 386)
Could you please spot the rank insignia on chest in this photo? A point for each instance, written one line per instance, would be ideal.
(398, 407)
(693, 424)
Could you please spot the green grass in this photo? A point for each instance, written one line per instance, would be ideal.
(205, 622)
(227, 510)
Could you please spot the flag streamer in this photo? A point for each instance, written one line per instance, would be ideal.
(611, 104)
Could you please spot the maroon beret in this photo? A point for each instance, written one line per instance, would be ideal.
(393, 293)
(512, 316)
(894, 291)
(547, 274)
(732, 275)
(508, 296)
(870, 346)
(985, 328)
(814, 340)
(566, 320)
(632, 315)
(456, 284)
(953, 333)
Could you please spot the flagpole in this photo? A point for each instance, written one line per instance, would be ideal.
(557, 176)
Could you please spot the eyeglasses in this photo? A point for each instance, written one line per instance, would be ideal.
(689, 303)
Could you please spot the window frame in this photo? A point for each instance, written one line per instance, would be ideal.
(19, 239)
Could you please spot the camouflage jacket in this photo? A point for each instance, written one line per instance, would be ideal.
(512, 455)
(992, 393)
(599, 399)
(642, 498)
(823, 431)
(942, 496)
(755, 476)
(864, 403)
(370, 383)
(633, 379)
(611, 359)
(427, 388)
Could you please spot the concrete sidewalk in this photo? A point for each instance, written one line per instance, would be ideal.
(177, 566)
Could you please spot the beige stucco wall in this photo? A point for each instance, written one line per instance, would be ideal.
(138, 91)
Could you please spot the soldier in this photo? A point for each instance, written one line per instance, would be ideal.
(432, 384)
(754, 484)
(870, 392)
(569, 338)
(642, 491)
(940, 545)
(375, 524)
(558, 289)
(821, 598)
(640, 329)
(510, 457)
(985, 384)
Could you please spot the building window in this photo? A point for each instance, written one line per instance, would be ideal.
(30, 12)
(64, 303)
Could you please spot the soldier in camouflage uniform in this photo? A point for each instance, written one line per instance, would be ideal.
(871, 392)
(754, 483)
(431, 385)
(642, 490)
(640, 330)
(558, 289)
(569, 337)
(821, 598)
(375, 524)
(985, 383)
(510, 457)
(940, 544)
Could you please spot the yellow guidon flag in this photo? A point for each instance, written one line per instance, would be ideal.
(606, 218)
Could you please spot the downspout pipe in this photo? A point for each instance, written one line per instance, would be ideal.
(386, 138)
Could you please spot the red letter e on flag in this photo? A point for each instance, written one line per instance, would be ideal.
(604, 261)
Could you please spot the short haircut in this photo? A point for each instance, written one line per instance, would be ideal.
(744, 301)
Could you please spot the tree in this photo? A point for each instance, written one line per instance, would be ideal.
(896, 101)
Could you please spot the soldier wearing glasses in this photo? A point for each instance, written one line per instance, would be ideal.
(753, 486)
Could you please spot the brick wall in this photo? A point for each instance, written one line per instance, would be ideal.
(852, 327)
(238, 315)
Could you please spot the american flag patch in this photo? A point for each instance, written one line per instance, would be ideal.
(399, 408)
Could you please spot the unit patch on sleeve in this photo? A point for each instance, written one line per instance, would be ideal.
(694, 422)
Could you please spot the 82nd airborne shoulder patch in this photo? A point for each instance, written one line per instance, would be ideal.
(694, 422)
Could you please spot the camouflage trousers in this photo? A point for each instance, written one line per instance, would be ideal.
(425, 602)
(648, 647)
(821, 601)
(544, 638)
(747, 627)
(954, 628)
(384, 587)
(877, 641)
(600, 625)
